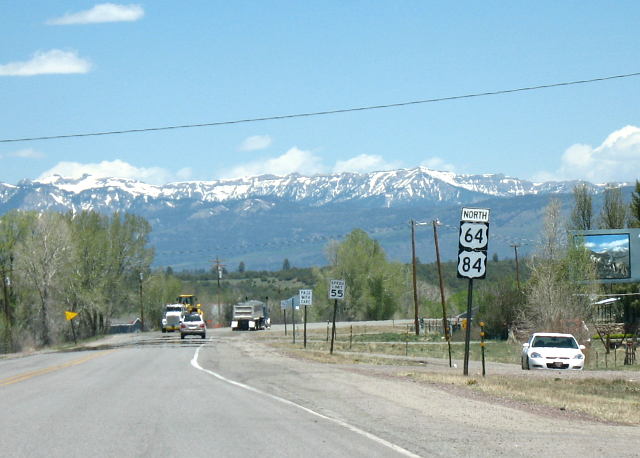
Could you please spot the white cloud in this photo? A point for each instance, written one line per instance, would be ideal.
(54, 61)
(363, 163)
(28, 153)
(439, 164)
(104, 12)
(255, 143)
(616, 159)
(294, 160)
(117, 169)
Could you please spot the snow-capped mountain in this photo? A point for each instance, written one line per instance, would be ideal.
(389, 188)
(263, 219)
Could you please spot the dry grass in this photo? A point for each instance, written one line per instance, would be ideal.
(320, 354)
(609, 400)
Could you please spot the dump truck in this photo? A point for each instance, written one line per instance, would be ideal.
(173, 315)
(250, 316)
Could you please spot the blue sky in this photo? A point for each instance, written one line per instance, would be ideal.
(81, 66)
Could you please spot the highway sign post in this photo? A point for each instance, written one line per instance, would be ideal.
(69, 317)
(336, 292)
(473, 241)
(295, 305)
(305, 298)
(284, 305)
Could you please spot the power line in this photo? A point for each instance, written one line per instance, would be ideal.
(323, 113)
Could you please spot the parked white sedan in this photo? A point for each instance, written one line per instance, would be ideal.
(551, 350)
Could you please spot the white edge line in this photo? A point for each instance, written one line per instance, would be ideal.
(355, 429)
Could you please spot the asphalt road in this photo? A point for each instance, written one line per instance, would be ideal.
(154, 395)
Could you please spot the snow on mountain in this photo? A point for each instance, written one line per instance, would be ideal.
(384, 189)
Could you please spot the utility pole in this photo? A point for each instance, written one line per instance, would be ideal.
(6, 284)
(415, 283)
(445, 323)
(515, 248)
(141, 305)
(218, 269)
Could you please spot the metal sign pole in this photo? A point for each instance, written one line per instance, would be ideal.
(333, 332)
(73, 330)
(293, 319)
(305, 326)
(484, 371)
(285, 321)
(467, 336)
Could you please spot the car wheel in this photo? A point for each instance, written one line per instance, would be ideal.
(182, 336)
(525, 363)
(204, 336)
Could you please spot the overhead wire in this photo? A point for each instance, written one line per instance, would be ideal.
(322, 113)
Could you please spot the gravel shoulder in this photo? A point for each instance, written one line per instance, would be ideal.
(426, 418)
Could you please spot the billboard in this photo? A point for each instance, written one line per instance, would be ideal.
(614, 252)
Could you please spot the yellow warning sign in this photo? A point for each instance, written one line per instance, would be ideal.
(70, 315)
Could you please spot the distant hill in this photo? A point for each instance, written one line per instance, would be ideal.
(262, 220)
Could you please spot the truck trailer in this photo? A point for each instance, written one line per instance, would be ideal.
(250, 316)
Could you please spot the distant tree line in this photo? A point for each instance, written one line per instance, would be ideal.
(92, 264)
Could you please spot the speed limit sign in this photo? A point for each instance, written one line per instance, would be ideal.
(336, 289)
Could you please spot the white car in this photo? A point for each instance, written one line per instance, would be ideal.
(193, 325)
(552, 350)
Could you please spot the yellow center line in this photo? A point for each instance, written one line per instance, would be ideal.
(27, 375)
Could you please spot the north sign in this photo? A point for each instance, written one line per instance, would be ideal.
(475, 215)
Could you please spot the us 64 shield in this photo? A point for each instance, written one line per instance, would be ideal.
(474, 236)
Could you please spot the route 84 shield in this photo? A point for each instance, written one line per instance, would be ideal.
(472, 264)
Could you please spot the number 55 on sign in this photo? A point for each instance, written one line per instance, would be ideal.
(336, 289)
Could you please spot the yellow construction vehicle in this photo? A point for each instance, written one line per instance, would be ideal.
(191, 304)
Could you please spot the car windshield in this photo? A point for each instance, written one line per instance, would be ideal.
(192, 318)
(174, 309)
(554, 342)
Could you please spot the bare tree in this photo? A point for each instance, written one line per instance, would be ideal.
(582, 213)
(42, 260)
(559, 287)
(614, 211)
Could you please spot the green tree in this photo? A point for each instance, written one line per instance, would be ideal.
(500, 306)
(86, 292)
(374, 285)
(634, 207)
(285, 264)
(582, 213)
(14, 225)
(13, 228)
(614, 211)
(241, 267)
